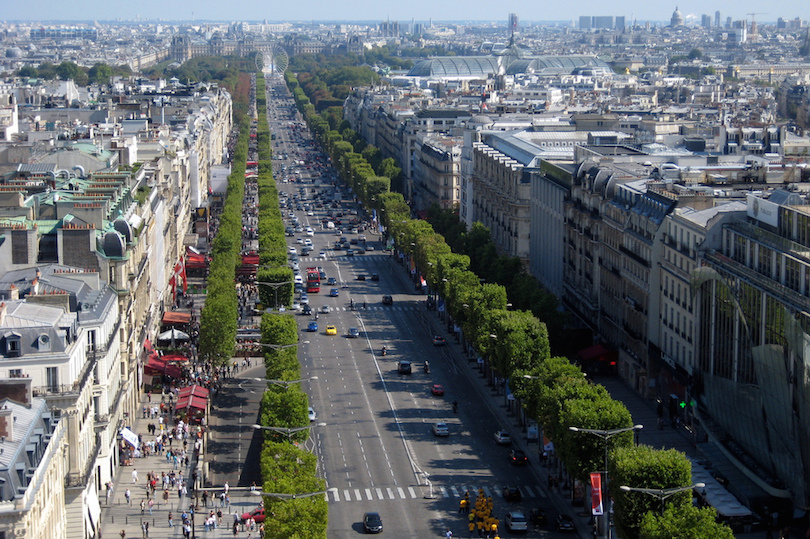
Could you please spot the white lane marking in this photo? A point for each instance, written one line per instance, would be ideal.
(455, 492)
(412, 492)
(368, 494)
(401, 492)
(347, 495)
(357, 494)
(487, 492)
(390, 493)
(380, 494)
(444, 492)
(529, 491)
(335, 495)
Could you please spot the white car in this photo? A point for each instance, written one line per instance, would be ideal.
(296, 306)
(440, 429)
(292, 250)
(310, 213)
(322, 254)
(298, 279)
(299, 241)
(310, 232)
(326, 309)
(308, 242)
(311, 413)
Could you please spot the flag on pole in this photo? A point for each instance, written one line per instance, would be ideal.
(596, 494)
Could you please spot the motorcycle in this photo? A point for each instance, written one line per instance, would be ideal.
(384, 350)
(427, 367)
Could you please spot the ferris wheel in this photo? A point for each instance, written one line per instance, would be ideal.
(273, 62)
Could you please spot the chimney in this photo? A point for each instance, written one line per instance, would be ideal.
(20, 390)
(2, 313)
(6, 424)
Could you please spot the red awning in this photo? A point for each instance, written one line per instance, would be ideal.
(194, 390)
(174, 357)
(191, 402)
(174, 317)
(154, 365)
(174, 371)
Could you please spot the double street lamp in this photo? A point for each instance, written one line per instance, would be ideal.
(275, 287)
(662, 493)
(289, 432)
(606, 435)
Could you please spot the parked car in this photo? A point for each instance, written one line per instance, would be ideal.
(511, 494)
(372, 523)
(257, 515)
(516, 521)
(502, 438)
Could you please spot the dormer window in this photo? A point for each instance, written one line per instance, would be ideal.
(44, 342)
(13, 344)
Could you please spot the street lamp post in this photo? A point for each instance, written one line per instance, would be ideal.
(662, 493)
(275, 287)
(287, 431)
(606, 435)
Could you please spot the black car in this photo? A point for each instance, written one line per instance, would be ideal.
(565, 523)
(387, 300)
(516, 456)
(511, 494)
(361, 277)
(375, 277)
(372, 523)
(306, 309)
(331, 281)
(404, 367)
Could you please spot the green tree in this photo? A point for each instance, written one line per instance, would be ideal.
(646, 467)
(71, 71)
(684, 522)
(695, 54)
(100, 73)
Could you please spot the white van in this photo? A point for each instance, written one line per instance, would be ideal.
(330, 225)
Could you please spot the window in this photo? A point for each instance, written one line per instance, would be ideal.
(52, 378)
(15, 373)
(13, 348)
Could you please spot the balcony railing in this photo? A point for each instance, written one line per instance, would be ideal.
(79, 480)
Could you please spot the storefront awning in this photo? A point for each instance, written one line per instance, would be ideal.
(191, 402)
(173, 317)
(193, 390)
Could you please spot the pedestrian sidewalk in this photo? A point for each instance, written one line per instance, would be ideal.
(118, 515)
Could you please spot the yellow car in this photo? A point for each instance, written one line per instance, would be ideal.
(331, 330)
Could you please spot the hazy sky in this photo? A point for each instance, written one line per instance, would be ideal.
(402, 10)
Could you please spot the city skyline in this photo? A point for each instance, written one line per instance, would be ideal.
(367, 10)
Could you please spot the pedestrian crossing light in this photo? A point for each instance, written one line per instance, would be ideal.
(683, 404)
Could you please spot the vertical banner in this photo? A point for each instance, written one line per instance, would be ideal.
(596, 494)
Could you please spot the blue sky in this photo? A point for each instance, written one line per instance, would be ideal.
(421, 10)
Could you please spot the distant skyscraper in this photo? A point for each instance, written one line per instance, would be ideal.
(514, 21)
(706, 21)
(620, 24)
(585, 22)
(717, 19)
(728, 22)
(603, 22)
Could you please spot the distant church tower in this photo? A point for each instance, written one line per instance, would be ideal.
(677, 19)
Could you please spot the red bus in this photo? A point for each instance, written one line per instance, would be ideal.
(313, 280)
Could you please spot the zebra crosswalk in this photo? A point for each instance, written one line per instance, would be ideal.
(335, 495)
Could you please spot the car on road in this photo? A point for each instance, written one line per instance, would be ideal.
(309, 232)
(322, 254)
(326, 309)
(516, 521)
(311, 413)
(292, 250)
(353, 333)
(296, 306)
(372, 523)
(300, 241)
(440, 429)
(298, 279)
(438, 340)
(511, 494)
(334, 292)
(257, 515)
(375, 277)
(331, 281)
(331, 330)
(361, 277)
(313, 326)
(306, 309)
(564, 523)
(517, 456)
(304, 299)
(502, 438)
(387, 300)
(437, 390)
(404, 367)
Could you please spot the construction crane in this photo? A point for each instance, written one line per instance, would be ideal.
(753, 19)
